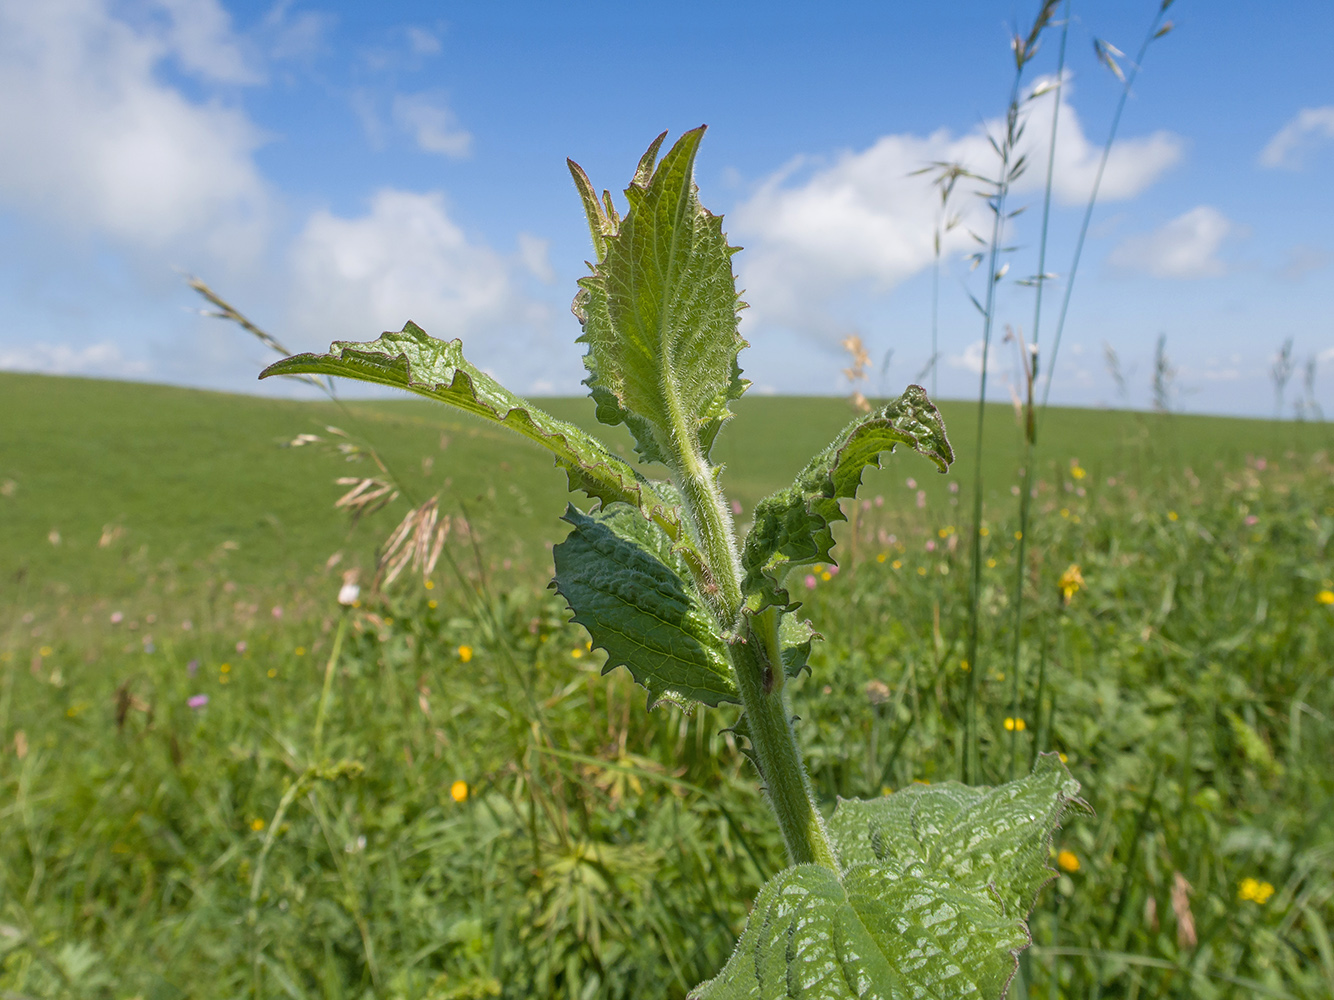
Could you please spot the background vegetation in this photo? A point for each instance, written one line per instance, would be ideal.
(215, 781)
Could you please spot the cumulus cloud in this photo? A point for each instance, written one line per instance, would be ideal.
(1291, 146)
(1184, 248)
(93, 138)
(405, 259)
(815, 230)
(104, 360)
(431, 124)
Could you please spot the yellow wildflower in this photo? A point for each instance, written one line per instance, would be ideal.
(897, 564)
(300, 651)
(826, 576)
(1255, 890)
(430, 585)
(272, 673)
(1070, 582)
(882, 557)
(257, 824)
(459, 791)
(1171, 515)
(1078, 471)
(1325, 597)
(1068, 860)
(465, 653)
(45, 651)
(1014, 725)
(576, 652)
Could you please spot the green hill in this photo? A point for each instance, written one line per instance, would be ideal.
(111, 486)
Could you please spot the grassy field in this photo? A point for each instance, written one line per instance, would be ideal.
(215, 782)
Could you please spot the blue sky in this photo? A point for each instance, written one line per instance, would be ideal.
(336, 169)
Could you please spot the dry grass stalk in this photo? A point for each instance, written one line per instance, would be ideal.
(856, 372)
(1181, 890)
(367, 495)
(416, 542)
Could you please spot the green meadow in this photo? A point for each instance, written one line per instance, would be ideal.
(216, 781)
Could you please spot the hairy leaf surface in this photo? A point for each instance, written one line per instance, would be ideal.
(933, 900)
(631, 590)
(795, 525)
(659, 310)
(436, 369)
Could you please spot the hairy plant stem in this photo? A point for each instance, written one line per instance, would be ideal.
(769, 725)
(756, 656)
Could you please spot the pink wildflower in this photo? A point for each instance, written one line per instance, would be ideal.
(197, 701)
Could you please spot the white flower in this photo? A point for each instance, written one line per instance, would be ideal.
(348, 594)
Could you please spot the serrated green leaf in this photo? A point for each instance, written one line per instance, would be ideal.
(933, 900)
(631, 590)
(793, 527)
(659, 311)
(977, 837)
(436, 369)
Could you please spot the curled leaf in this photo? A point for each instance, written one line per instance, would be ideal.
(794, 526)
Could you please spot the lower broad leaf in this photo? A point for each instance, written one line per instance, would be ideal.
(630, 589)
(933, 900)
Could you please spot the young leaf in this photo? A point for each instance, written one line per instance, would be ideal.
(795, 636)
(631, 590)
(659, 311)
(437, 370)
(794, 526)
(907, 917)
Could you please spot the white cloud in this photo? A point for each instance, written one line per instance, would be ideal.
(200, 36)
(94, 139)
(432, 124)
(103, 360)
(970, 360)
(1184, 248)
(404, 260)
(296, 36)
(423, 42)
(865, 221)
(1289, 147)
(534, 254)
